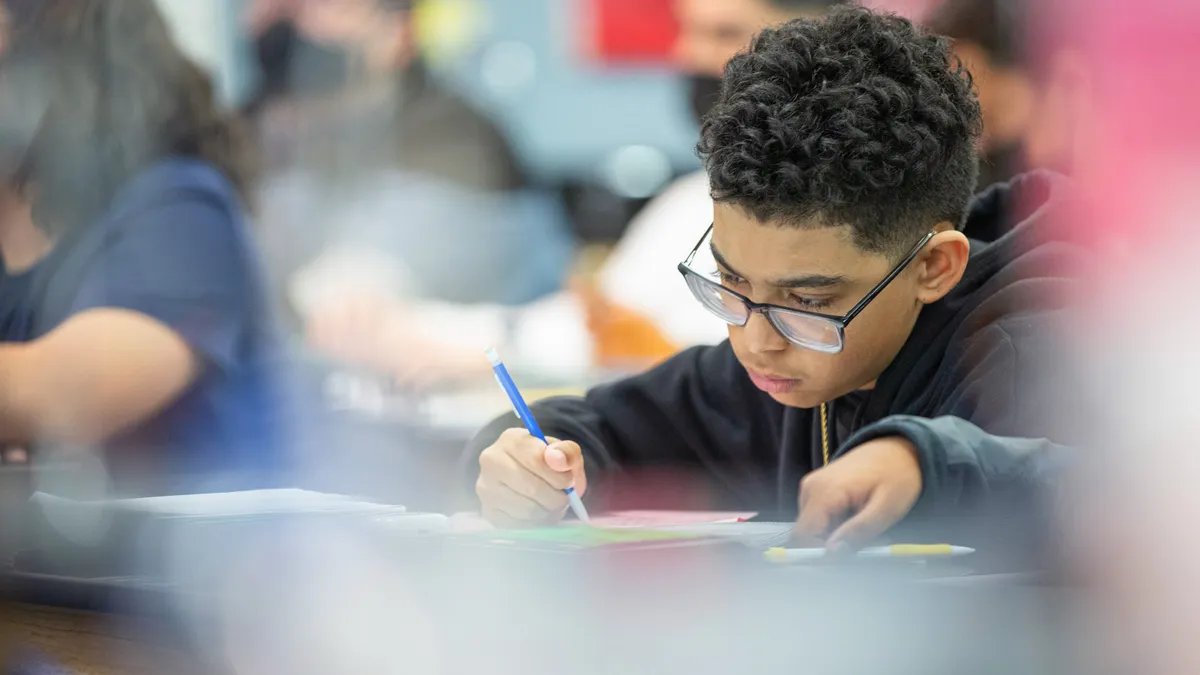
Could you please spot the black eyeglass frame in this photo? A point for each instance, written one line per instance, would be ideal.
(767, 309)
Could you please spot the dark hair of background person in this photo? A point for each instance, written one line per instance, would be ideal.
(290, 64)
(995, 26)
(858, 119)
(706, 89)
(117, 94)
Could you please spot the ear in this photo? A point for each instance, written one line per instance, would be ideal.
(941, 265)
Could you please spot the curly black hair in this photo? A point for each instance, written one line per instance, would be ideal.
(858, 119)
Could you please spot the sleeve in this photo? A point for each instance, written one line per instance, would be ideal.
(186, 263)
(696, 410)
(995, 433)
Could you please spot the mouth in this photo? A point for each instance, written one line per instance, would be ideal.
(772, 384)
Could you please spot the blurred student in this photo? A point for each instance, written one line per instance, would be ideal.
(346, 54)
(636, 313)
(133, 318)
(1029, 90)
(989, 37)
(378, 171)
(876, 365)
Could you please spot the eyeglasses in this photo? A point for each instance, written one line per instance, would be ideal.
(811, 330)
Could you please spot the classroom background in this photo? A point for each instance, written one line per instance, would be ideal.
(443, 176)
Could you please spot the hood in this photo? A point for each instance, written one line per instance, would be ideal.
(1011, 287)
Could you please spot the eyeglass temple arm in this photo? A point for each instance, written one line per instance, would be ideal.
(862, 304)
(696, 248)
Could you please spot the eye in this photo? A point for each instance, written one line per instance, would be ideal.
(729, 280)
(812, 304)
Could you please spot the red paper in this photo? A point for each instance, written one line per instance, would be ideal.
(628, 31)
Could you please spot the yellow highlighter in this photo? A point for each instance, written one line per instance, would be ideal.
(786, 555)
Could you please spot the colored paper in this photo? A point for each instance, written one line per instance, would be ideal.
(652, 519)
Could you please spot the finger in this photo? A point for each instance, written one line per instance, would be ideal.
(517, 477)
(563, 456)
(820, 514)
(503, 520)
(495, 494)
(579, 479)
(567, 458)
(877, 516)
(531, 454)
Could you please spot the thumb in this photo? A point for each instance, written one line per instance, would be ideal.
(565, 456)
(875, 518)
(557, 458)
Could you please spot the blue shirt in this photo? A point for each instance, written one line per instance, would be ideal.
(174, 245)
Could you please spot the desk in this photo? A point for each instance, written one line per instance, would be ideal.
(88, 643)
(475, 619)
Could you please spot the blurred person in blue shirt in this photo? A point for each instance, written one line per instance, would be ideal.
(133, 315)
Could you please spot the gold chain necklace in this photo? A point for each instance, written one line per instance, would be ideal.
(825, 434)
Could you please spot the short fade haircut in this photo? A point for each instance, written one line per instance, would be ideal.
(859, 119)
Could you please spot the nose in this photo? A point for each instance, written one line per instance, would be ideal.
(761, 337)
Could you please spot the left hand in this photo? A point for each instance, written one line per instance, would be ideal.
(861, 495)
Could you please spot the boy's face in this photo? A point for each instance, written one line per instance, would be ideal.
(762, 261)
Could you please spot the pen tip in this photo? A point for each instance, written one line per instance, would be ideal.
(492, 356)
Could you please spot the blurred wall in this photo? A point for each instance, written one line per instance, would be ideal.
(209, 31)
(569, 117)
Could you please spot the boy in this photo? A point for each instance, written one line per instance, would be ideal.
(875, 365)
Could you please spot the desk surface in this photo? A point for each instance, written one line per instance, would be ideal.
(87, 643)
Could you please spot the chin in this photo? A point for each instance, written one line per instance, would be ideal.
(798, 399)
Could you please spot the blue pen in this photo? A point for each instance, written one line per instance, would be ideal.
(526, 415)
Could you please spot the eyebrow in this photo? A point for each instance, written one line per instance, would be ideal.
(803, 281)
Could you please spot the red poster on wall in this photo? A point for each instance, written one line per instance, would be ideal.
(619, 32)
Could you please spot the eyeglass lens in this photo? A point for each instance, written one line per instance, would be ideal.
(802, 329)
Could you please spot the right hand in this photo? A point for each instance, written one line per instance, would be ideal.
(521, 479)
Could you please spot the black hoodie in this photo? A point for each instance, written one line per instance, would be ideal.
(968, 388)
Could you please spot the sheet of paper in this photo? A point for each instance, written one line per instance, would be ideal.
(225, 504)
(755, 535)
(661, 519)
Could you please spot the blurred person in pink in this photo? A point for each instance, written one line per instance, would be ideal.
(633, 314)
(1123, 96)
